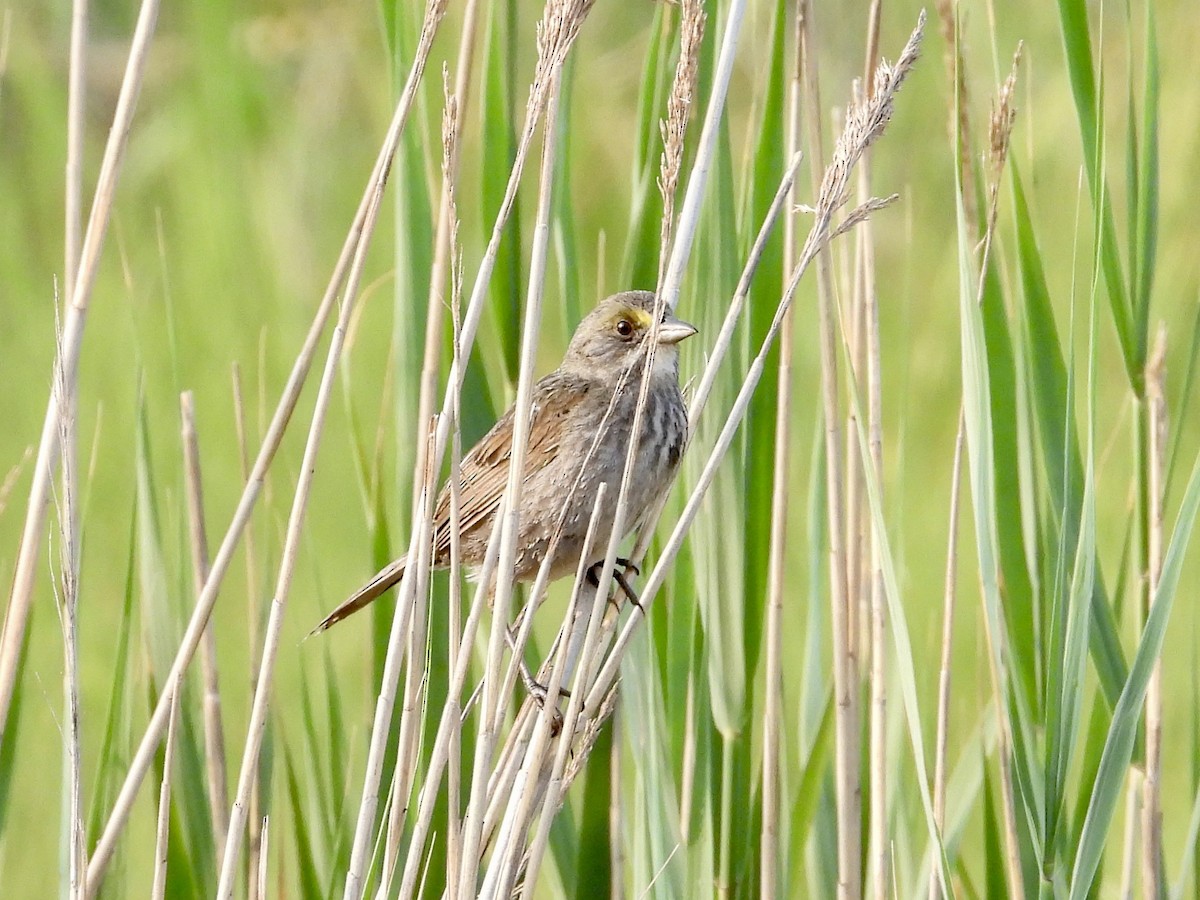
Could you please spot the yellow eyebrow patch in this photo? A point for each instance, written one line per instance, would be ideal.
(639, 317)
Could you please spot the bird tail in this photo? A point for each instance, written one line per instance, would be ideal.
(388, 576)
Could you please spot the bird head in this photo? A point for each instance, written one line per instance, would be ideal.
(614, 334)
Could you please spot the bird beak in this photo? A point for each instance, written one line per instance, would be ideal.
(674, 330)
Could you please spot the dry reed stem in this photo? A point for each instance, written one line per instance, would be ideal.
(510, 845)
(1129, 838)
(723, 341)
(214, 734)
(67, 360)
(73, 171)
(449, 725)
(847, 784)
(264, 847)
(158, 888)
(879, 844)
(1152, 822)
(958, 125)
(561, 26)
(555, 788)
(863, 127)
(774, 755)
(260, 708)
(454, 624)
(949, 597)
(404, 771)
(444, 258)
(689, 213)
(674, 128)
(67, 606)
(533, 312)
(253, 850)
(280, 420)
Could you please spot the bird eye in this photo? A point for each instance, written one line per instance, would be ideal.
(624, 328)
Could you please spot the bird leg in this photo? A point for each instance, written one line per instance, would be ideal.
(535, 688)
(593, 577)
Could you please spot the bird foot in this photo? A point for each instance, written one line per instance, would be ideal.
(593, 577)
(541, 694)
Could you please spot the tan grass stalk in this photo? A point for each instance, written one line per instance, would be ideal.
(79, 291)
(949, 595)
(253, 850)
(73, 172)
(1152, 822)
(281, 418)
(533, 312)
(689, 213)
(616, 834)
(448, 726)
(999, 136)
(565, 17)
(863, 127)
(404, 773)
(67, 595)
(454, 626)
(443, 253)
(510, 845)
(959, 123)
(879, 842)
(554, 793)
(446, 262)
(1129, 840)
(158, 888)
(262, 690)
(674, 127)
(214, 733)
(848, 789)
(258, 719)
(723, 341)
(774, 755)
(263, 848)
(496, 686)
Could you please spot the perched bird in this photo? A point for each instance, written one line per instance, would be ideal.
(606, 358)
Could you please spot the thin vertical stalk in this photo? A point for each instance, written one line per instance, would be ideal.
(773, 721)
(281, 418)
(879, 862)
(847, 781)
(70, 344)
(1156, 414)
(495, 684)
(291, 547)
(214, 735)
(568, 23)
(443, 254)
(73, 173)
(949, 597)
(68, 521)
(158, 887)
(435, 9)
(253, 852)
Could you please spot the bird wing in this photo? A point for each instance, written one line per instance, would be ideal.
(483, 474)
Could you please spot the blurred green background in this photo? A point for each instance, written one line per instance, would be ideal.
(254, 136)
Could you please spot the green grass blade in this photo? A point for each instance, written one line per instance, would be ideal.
(306, 866)
(1122, 732)
(104, 788)
(1078, 48)
(1060, 456)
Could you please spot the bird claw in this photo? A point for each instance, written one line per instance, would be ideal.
(540, 694)
(593, 577)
